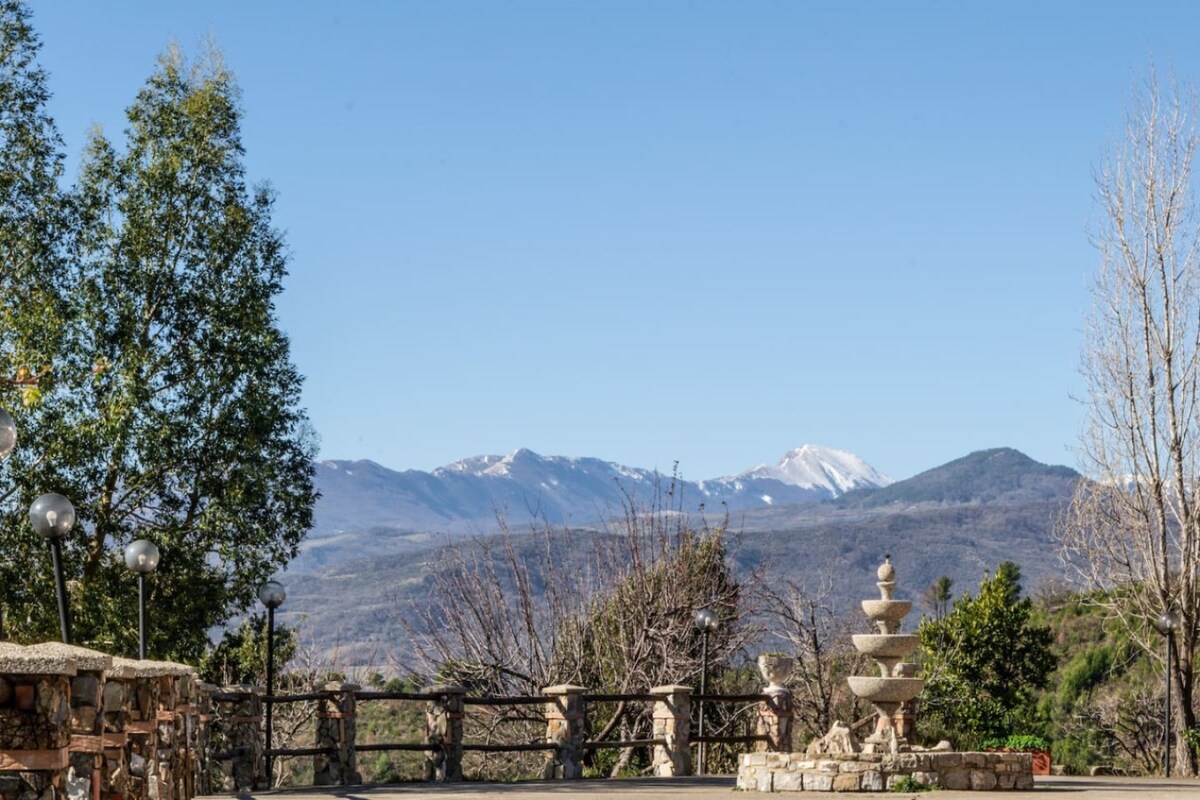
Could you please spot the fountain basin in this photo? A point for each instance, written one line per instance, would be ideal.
(885, 690)
(891, 645)
(886, 610)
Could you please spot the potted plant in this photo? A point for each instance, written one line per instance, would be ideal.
(1038, 747)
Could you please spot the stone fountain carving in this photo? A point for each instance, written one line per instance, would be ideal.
(894, 685)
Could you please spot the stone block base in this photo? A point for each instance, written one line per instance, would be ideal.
(862, 772)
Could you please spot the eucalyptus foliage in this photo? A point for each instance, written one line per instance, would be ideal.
(169, 408)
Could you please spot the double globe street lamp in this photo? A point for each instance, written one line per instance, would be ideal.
(52, 516)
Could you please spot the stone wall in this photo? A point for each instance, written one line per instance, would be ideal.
(35, 734)
(861, 772)
(76, 724)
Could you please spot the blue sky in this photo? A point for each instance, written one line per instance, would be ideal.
(669, 231)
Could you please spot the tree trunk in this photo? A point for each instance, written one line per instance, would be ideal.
(1183, 717)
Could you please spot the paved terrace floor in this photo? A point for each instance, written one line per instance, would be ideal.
(707, 788)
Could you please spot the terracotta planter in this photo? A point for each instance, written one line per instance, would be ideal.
(1041, 758)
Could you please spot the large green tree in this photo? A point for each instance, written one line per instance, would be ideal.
(984, 662)
(32, 219)
(34, 237)
(172, 411)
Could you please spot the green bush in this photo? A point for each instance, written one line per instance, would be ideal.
(907, 783)
(1022, 742)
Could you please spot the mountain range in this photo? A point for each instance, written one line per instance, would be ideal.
(959, 519)
(469, 494)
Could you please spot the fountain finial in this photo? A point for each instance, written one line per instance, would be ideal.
(886, 571)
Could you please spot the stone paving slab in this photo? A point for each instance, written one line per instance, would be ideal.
(708, 788)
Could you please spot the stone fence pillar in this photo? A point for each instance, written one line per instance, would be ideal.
(774, 720)
(169, 765)
(35, 698)
(117, 708)
(566, 721)
(672, 723)
(142, 728)
(236, 738)
(202, 704)
(444, 727)
(185, 733)
(84, 778)
(336, 729)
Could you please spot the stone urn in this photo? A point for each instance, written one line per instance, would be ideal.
(776, 669)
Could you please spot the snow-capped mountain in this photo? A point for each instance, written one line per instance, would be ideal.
(822, 470)
(523, 486)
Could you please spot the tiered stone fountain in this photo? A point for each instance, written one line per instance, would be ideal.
(838, 762)
(894, 685)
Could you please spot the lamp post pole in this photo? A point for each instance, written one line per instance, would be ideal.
(141, 557)
(706, 620)
(53, 516)
(1167, 727)
(271, 594)
(1166, 624)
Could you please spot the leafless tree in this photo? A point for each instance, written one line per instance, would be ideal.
(820, 641)
(1135, 524)
(1128, 727)
(608, 609)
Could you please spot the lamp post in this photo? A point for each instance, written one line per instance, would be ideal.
(271, 594)
(53, 516)
(1167, 624)
(706, 620)
(141, 557)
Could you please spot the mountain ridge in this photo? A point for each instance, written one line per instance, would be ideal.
(469, 493)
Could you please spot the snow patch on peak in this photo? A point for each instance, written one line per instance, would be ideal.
(811, 466)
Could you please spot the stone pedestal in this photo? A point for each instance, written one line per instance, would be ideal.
(774, 720)
(566, 720)
(236, 738)
(35, 713)
(336, 730)
(672, 724)
(444, 727)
